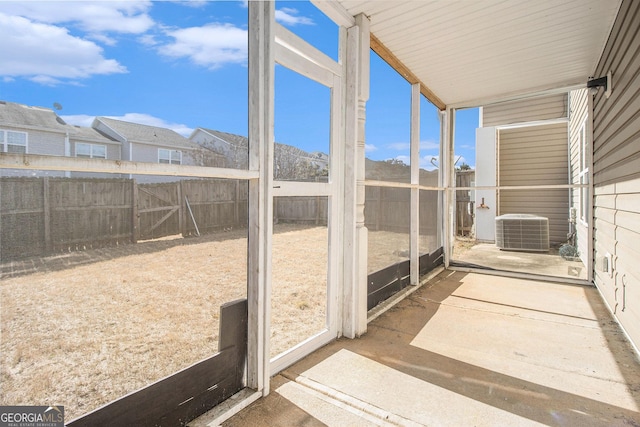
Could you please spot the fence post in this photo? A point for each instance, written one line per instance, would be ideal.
(46, 210)
(181, 197)
(135, 220)
(236, 206)
(275, 210)
(379, 209)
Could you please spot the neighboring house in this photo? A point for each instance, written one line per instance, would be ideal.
(234, 148)
(89, 143)
(524, 143)
(32, 130)
(38, 130)
(289, 162)
(144, 143)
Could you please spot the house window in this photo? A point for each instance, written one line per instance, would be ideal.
(13, 142)
(173, 157)
(584, 175)
(91, 151)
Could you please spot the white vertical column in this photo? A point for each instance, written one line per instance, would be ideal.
(356, 88)
(415, 180)
(350, 265)
(445, 177)
(362, 237)
(261, 106)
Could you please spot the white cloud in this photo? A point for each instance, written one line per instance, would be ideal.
(399, 146)
(78, 119)
(49, 54)
(406, 146)
(147, 40)
(211, 46)
(368, 148)
(93, 17)
(192, 3)
(429, 144)
(289, 16)
(105, 40)
(46, 80)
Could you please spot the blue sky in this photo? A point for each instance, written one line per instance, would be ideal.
(183, 65)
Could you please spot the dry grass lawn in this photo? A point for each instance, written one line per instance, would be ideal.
(84, 328)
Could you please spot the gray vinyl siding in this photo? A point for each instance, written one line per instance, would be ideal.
(578, 117)
(145, 153)
(149, 154)
(124, 148)
(616, 145)
(525, 110)
(42, 142)
(536, 155)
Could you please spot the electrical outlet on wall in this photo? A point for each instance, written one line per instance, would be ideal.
(607, 264)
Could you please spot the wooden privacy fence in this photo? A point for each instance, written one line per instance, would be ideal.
(39, 216)
(190, 207)
(301, 210)
(44, 215)
(389, 209)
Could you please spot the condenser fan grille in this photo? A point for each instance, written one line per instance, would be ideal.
(522, 232)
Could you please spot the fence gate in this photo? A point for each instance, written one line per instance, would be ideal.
(159, 210)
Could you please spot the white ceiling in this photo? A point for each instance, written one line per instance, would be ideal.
(473, 52)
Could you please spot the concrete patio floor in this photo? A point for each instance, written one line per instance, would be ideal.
(467, 349)
(488, 255)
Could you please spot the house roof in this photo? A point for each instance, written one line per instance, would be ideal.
(82, 133)
(472, 53)
(24, 116)
(232, 139)
(145, 134)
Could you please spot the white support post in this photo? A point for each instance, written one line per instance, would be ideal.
(362, 237)
(415, 180)
(446, 200)
(350, 264)
(261, 106)
(356, 88)
(450, 181)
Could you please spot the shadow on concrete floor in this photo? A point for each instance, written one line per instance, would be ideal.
(467, 350)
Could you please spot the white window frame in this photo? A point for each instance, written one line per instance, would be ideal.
(4, 140)
(583, 176)
(169, 156)
(92, 149)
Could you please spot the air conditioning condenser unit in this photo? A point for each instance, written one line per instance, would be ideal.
(522, 232)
